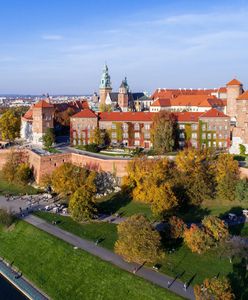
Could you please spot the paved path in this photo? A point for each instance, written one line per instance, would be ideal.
(104, 254)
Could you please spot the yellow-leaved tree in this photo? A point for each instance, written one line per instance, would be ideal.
(138, 241)
(10, 125)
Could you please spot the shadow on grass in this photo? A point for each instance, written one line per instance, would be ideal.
(239, 279)
(114, 203)
(193, 213)
(235, 229)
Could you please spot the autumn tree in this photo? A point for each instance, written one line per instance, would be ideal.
(216, 228)
(227, 175)
(10, 125)
(195, 173)
(176, 227)
(48, 138)
(105, 107)
(137, 240)
(164, 132)
(67, 178)
(164, 199)
(197, 239)
(214, 288)
(23, 174)
(81, 204)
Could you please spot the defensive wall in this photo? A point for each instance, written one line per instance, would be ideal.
(43, 165)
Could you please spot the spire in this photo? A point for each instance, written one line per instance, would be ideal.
(105, 79)
(124, 85)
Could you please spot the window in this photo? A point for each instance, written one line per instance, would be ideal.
(136, 143)
(136, 126)
(220, 127)
(220, 144)
(181, 143)
(203, 127)
(147, 135)
(125, 127)
(204, 136)
(125, 135)
(114, 135)
(194, 126)
(214, 144)
(181, 126)
(83, 134)
(225, 127)
(181, 135)
(209, 144)
(74, 134)
(194, 135)
(214, 135)
(113, 126)
(220, 136)
(136, 135)
(147, 126)
(209, 135)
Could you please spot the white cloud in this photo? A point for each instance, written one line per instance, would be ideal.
(52, 37)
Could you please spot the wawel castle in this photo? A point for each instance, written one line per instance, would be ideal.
(207, 118)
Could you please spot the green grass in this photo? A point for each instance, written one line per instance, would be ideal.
(15, 189)
(122, 203)
(52, 150)
(89, 231)
(176, 263)
(65, 273)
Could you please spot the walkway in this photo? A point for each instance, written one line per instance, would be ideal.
(106, 255)
(21, 283)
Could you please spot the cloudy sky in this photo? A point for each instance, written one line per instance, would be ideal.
(60, 46)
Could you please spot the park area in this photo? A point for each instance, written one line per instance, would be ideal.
(65, 273)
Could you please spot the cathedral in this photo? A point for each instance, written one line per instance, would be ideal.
(123, 100)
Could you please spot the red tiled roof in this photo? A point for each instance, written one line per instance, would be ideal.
(213, 113)
(222, 90)
(28, 115)
(172, 93)
(234, 82)
(86, 113)
(126, 116)
(161, 102)
(244, 96)
(43, 104)
(187, 116)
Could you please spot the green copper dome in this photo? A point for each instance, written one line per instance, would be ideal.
(105, 79)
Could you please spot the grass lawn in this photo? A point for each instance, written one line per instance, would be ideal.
(182, 260)
(89, 231)
(122, 203)
(65, 273)
(14, 189)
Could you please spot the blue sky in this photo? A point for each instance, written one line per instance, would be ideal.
(60, 46)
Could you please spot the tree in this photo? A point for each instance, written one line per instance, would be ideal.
(227, 175)
(23, 174)
(48, 138)
(197, 239)
(214, 288)
(164, 132)
(10, 125)
(241, 190)
(216, 228)
(137, 240)
(242, 149)
(105, 107)
(98, 136)
(196, 174)
(6, 218)
(177, 227)
(81, 205)
(164, 199)
(67, 178)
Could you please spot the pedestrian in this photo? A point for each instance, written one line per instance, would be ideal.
(168, 283)
(185, 286)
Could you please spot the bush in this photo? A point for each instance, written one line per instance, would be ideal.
(92, 148)
(241, 190)
(242, 149)
(6, 218)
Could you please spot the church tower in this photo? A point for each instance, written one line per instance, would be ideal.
(123, 95)
(105, 85)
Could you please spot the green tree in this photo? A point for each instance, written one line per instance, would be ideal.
(241, 190)
(214, 288)
(10, 125)
(242, 149)
(23, 174)
(98, 136)
(81, 205)
(6, 218)
(137, 240)
(227, 175)
(48, 138)
(164, 132)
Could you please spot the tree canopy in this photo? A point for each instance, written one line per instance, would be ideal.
(10, 125)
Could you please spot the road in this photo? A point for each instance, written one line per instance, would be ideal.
(106, 255)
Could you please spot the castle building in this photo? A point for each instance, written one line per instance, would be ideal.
(105, 85)
(234, 90)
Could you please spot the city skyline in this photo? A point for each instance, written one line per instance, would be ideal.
(61, 47)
